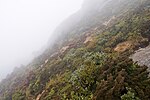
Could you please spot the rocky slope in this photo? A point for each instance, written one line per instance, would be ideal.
(142, 56)
(89, 57)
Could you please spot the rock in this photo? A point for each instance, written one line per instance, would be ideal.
(109, 21)
(46, 61)
(39, 96)
(142, 56)
(54, 54)
(64, 49)
(88, 39)
(41, 65)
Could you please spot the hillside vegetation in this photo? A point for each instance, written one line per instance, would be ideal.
(90, 57)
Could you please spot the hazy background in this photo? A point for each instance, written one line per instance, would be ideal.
(26, 26)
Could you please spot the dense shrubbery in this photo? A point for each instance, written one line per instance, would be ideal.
(129, 95)
(119, 74)
(18, 96)
(106, 75)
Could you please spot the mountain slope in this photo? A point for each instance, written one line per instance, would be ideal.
(89, 57)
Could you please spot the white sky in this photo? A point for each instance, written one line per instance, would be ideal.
(26, 26)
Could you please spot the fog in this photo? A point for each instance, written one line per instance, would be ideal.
(26, 26)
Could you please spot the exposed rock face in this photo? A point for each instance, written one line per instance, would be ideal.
(46, 61)
(142, 56)
(88, 39)
(39, 96)
(64, 49)
(109, 21)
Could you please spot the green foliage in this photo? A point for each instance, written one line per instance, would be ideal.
(34, 87)
(18, 96)
(51, 93)
(129, 96)
(84, 78)
(121, 73)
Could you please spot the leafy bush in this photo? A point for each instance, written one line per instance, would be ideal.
(129, 96)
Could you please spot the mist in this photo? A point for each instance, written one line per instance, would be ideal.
(26, 26)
